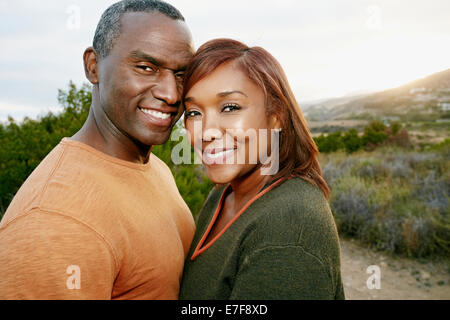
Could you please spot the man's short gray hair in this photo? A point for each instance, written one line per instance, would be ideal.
(109, 27)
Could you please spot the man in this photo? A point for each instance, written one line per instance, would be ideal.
(101, 217)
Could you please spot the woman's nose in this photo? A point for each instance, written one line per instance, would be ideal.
(211, 128)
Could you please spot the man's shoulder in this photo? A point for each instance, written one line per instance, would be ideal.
(30, 193)
(65, 180)
(160, 165)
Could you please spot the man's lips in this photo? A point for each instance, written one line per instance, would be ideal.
(159, 117)
(163, 110)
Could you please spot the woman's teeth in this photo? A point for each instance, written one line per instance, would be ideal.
(156, 114)
(220, 154)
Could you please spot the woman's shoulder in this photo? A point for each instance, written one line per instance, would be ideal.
(297, 195)
(294, 213)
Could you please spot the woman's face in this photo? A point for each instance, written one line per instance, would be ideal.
(227, 123)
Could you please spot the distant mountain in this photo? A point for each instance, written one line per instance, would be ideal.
(319, 110)
(426, 98)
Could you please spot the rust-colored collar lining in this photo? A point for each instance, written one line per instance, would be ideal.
(199, 249)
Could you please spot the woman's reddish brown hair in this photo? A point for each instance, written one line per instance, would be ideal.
(298, 152)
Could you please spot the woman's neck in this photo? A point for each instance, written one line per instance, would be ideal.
(245, 188)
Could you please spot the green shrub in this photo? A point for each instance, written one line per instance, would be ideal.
(375, 134)
(391, 199)
(330, 143)
(351, 140)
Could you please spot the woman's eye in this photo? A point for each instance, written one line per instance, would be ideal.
(231, 107)
(190, 114)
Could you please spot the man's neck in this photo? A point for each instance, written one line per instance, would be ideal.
(100, 133)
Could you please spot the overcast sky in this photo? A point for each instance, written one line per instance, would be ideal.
(328, 48)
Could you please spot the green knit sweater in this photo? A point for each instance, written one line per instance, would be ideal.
(283, 246)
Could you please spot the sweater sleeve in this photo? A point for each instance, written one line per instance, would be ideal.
(48, 256)
(282, 273)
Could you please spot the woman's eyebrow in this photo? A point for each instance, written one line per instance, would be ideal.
(227, 93)
(189, 99)
(220, 95)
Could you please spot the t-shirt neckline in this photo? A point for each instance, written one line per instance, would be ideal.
(107, 157)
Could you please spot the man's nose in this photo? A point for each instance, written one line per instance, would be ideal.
(167, 88)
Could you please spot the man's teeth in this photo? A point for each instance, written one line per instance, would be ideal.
(219, 154)
(156, 114)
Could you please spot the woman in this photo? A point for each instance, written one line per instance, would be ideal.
(263, 233)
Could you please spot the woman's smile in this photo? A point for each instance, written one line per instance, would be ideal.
(213, 156)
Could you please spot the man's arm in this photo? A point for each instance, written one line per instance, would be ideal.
(50, 256)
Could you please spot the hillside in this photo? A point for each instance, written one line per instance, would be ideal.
(423, 99)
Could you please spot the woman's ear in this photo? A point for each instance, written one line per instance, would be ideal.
(91, 65)
(274, 122)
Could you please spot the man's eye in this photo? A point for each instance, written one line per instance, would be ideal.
(147, 68)
(179, 75)
(190, 114)
(230, 107)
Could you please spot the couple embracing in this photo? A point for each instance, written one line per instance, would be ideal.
(101, 216)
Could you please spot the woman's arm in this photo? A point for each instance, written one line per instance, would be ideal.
(283, 273)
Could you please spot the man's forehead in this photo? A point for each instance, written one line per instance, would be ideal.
(142, 23)
(168, 41)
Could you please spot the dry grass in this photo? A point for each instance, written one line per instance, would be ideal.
(393, 200)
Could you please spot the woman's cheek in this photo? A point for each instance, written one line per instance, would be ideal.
(189, 131)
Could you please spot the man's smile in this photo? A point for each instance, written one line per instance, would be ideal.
(157, 114)
(161, 118)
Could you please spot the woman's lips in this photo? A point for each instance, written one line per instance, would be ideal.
(217, 156)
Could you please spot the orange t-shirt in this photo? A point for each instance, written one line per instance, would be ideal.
(86, 225)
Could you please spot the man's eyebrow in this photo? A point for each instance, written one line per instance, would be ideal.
(227, 93)
(139, 55)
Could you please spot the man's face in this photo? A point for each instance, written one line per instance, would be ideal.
(140, 81)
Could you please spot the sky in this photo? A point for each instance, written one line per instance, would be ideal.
(328, 48)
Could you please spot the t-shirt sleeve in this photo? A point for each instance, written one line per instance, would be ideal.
(49, 256)
(282, 273)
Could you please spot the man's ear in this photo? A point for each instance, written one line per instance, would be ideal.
(90, 59)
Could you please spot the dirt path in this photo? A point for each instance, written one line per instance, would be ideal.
(400, 278)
